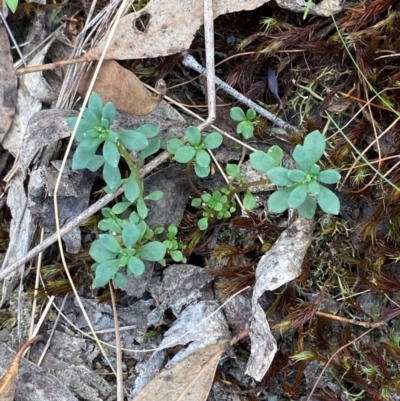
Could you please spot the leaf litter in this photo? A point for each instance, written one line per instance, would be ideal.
(274, 270)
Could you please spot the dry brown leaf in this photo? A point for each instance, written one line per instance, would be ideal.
(171, 27)
(188, 380)
(120, 86)
(8, 384)
(8, 84)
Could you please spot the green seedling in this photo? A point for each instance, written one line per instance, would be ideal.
(123, 251)
(216, 205)
(246, 121)
(302, 187)
(173, 246)
(196, 151)
(249, 201)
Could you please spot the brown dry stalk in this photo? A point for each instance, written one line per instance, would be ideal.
(351, 321)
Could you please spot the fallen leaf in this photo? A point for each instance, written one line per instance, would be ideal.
(171, 27)
(8, 84)
(9, 382)
(120, 86)
(189, 380)
(324, 8)
(281, 264)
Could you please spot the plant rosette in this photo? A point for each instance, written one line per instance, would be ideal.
(246, 121)
(303, 187)
(196, 150)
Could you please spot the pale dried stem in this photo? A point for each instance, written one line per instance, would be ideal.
(190, 62)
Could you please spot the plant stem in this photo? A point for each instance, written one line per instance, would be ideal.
(125, 154)
(243, 187)
(189, 180)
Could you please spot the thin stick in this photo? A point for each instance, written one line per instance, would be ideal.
(210, 63)
(190, 62)
(118, 352)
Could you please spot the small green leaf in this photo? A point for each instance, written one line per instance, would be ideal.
(245, 128)
(151, 148)
(278, 201)
(12, 4)
(313, 187)
(111, 153)
(142, 208)
(95, 163)
(132, 189)
(279, 176)
(262, 161)
(172, 230)
(105, 272)
(206, 197)
(136, 266)
(297, 175)
(155, 195)
(149, 130)
(237, 114)
(91, 117)
(249, 201)
(113, 136)
(120, 207)
(203, 223)
(310, 152)
(315, 169)
(308, 207)
(185, 154)
(99, 253)
(152, 251)
(329, 177)
(96, 104)
(120, 280)
(174, 144)
(112, 177)
(109, 113)
(201, 171)
(203, 159)
(176, 256)
(212, 141)
(109, 225)
(193, 135)
(276, 153)
(85, 152)
(251, 114)
(328, 201)
(110, 243)
(133, 140)
(234, 171)
(297, 196)
(130, 235)
(196, 202)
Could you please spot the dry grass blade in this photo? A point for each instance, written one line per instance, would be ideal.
(188, 380)
(9, 382)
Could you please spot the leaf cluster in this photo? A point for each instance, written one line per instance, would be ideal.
(123, 248)
(196, 150)
(302, 188)
(246, 121)
(216, 205)
(173, 246)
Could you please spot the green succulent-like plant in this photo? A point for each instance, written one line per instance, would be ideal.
(196, 150)
(216, 205)
(303, 187)
(246, 121)
(123, 249)
(173, 246)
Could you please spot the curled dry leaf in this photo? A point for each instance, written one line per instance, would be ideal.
(9, 382)
(188, 380)
(8, 84)
(171, 27)
(281, 264)
(120, 86)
